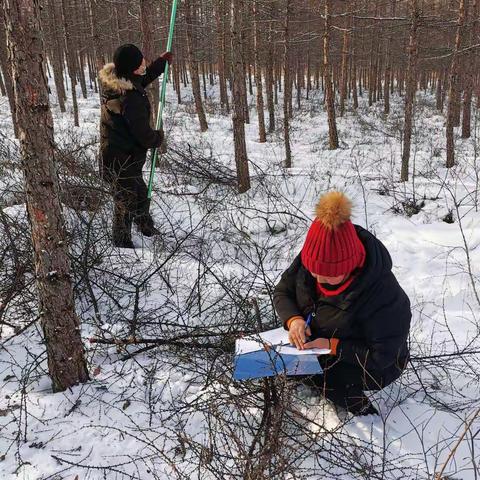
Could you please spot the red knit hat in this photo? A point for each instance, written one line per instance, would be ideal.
(332, 246)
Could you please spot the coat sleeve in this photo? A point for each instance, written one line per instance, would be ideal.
(137, 118)
(385, 330)
(284, 297)
(154, 70)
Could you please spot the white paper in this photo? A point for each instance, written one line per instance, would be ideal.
(278, 338)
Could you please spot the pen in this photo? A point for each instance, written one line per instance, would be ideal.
(309, 320)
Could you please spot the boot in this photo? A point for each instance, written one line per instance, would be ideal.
(122, 229)
(146, 226)
(352, 399)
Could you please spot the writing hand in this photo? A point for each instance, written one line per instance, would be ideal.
(297, 333)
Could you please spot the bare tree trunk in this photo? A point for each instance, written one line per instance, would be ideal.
(269, 76)
(354, 66)
(246, 113)
(241, 159)
(410, 88)
(7, 75)
(221, 17)
(71, 63)
(344, 77)
(57, 57)
(287, 89)
(97, 52)
(147, 26)
(470, 69)
(329, 96)
(197, 94)
(3, 88)
(262, 136)
(388, 66)
(66, 362)
(438, 94)
(453, 91)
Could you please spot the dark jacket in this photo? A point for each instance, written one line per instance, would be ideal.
(371, 318)
(125, 113)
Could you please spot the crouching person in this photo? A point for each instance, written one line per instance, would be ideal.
(343, 280)
(126, 136)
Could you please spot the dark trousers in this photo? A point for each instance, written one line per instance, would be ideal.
(344, 384)
(124, 173)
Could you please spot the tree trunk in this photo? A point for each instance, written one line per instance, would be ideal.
(57, 57)
(7, 76)
(241, 159)
(438, 94)
(470, 69)
(388, 67)
(197, 94)
(344, 77)
(71, 63)
(287, 90)
(66, 362)
(3, 88)
(147, 26)
(221, 17)
(269, 77)
(329, 96)
(410, 88)
(262, 136)
(453, 91)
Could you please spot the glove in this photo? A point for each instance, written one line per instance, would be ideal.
(167, 56)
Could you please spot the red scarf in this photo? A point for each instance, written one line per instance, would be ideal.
(331, 293)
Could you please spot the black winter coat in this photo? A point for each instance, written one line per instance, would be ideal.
(371, 318)
(125, 130)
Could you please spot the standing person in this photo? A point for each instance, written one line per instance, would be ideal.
(342, 279)
(125, 137)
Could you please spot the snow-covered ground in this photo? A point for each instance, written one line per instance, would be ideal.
(162, 413)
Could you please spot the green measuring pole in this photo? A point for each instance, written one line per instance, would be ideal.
(162, 96)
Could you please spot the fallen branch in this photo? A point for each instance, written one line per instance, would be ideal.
(438, 476)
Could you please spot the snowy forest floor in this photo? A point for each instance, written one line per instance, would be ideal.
(172, 410)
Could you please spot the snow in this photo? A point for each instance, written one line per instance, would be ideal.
(152, 415)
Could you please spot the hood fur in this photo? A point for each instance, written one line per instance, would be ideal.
(111, 82)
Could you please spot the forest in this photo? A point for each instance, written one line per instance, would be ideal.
(118, 344)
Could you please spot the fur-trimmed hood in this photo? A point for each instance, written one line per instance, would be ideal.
(111, 82)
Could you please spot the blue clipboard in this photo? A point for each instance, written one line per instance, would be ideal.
(269, 363)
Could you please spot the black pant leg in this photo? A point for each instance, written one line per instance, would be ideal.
(117, 171)
(344, 384)
(142, 207)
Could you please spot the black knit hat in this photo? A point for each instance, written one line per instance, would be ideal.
(127, 58)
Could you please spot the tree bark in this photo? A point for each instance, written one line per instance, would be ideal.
(269, 76)
(241, 159)
(287, 90)
(197, 94)
(453, 91)
(388, 66)
(329, 96)
(66, 362)
(71, 63)
(470, 69)
(262, 136)
(410, 88)
(147, 26)
(7, 76)
(221, 17)
(344, 77)
(57, 57)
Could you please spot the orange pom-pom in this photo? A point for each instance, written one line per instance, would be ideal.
(333, 209)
